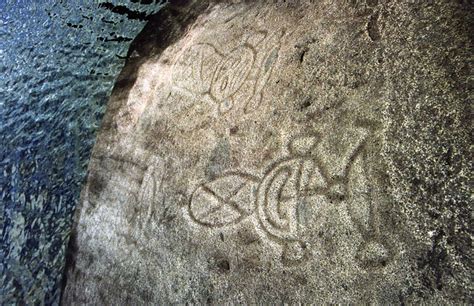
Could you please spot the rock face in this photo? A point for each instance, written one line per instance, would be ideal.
(260, 152)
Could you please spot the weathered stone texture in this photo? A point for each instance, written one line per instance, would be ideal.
(259, 152)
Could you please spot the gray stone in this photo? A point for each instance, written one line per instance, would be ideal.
(270, 152)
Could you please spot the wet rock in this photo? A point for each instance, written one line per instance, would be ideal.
(272, 153)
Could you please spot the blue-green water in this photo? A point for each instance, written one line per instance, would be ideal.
(58, 62)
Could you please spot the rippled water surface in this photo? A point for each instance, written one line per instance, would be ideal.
(58, 62)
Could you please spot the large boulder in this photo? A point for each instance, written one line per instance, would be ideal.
(275, 152)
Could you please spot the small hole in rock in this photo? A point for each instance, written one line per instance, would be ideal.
(223, 264)
(305, 104)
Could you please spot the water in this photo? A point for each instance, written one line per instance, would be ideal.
(58, 62)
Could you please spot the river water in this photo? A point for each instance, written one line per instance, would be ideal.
(58, 63)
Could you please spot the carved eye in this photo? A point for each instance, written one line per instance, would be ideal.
(225, 200)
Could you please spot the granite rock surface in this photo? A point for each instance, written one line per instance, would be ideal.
(270, 152)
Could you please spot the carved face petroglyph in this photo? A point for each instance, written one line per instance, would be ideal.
(238, 76)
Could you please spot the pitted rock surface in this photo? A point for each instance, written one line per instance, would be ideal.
(260, 152)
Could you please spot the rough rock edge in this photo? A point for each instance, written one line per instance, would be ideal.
(175, 18)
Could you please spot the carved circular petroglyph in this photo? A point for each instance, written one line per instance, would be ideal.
(289, 200)
(226, 200)
(285, 199)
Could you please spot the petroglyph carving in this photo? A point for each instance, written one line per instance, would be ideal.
(231, 75)
(269, 47)
(236, 77)
(197, 65)
(288, 196)
(226, 200)
(150, 196)
(363, 203)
